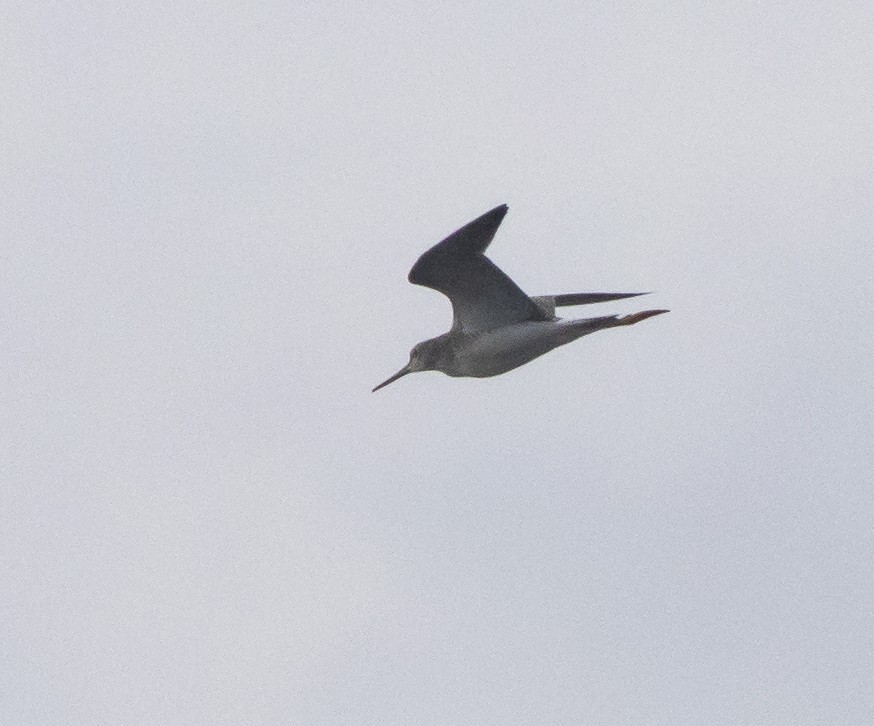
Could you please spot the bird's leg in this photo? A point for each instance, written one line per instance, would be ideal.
(637, 317)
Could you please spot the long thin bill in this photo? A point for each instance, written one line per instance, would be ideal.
(400, 374)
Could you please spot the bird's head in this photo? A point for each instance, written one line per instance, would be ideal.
(424, 356)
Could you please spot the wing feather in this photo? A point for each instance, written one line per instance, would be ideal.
(483, 297)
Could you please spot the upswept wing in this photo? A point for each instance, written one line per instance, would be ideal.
(482, 296)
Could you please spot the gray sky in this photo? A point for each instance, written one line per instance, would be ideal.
(209, 211)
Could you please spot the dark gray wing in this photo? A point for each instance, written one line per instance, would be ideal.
(548, 303)
(483, 297)
(587, 298)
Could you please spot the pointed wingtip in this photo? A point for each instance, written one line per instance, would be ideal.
(471, 239)
(495, 215)
(587, 298)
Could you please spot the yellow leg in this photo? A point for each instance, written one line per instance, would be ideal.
(637, 317)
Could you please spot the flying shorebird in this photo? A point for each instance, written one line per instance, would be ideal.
(496, 327)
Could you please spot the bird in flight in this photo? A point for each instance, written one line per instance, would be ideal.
(495, 327)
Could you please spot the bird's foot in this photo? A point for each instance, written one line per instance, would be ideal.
(637, 317)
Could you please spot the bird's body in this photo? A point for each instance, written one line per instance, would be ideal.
(496, 327)
(497, 351)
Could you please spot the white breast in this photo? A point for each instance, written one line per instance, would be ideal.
(501, 350)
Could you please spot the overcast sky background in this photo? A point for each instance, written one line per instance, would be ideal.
(208, 214)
